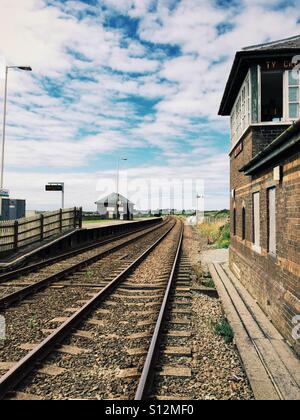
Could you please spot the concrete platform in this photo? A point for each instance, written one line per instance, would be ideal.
(271, 366)
(210, 256)
(105, 223)
(86, 225)
(24, 253)
(73, 240)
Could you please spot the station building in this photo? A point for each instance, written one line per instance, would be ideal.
(115, 206)
(262, 98)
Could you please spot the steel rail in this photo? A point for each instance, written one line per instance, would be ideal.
(37, 266)
(43, 283)
(15, 375)
(148, 373)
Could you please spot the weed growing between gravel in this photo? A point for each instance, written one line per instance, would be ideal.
(209, 283)
(33, 322)
(88, 275)
(223, 329)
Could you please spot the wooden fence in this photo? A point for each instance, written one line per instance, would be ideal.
(15, 234)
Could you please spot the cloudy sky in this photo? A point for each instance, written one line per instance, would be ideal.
(135, 78)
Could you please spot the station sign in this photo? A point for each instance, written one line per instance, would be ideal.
(54, 188)
(4, 193)
(281, 65)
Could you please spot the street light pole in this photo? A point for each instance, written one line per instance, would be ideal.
(118, 181)
(4, 127)
(197, 211)
(4, 117)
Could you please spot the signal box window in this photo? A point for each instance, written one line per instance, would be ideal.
(271, 96)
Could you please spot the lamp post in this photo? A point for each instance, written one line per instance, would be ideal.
(23, 68)
(197, 212)
(118, 181)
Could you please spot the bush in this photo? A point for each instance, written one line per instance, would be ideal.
(223, 241)
(210, 231)
(217, 234)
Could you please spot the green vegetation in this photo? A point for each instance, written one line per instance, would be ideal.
(224, 238)
(216, 233)
(218, 214)
(88, 275)
(223, 329)
(209, 283)
(33, 322)
(210, 231)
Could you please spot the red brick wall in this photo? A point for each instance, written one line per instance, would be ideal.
(273, 281)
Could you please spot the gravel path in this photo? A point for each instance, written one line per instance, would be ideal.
(217, 369)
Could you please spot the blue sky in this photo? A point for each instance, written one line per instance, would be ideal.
(135, 78)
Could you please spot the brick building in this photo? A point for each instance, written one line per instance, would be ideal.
(262, 97)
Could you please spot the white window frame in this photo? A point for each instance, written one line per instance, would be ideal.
(286, 100)
(272, 222)
(256, 222)
(241, 115)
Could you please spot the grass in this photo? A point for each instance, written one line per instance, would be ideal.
(209, 283)
(209, 231)
(222, 214)
(216, 233)
(223, 241)
(223, 329)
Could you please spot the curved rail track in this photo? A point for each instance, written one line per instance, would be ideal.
(138, 299)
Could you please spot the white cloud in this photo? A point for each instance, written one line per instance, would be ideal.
(72, 110)
(84, 188)
(121, 61)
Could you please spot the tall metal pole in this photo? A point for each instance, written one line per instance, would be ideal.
(63, 196)
(4, 128)
(4, 117)
(118, 175)
(118, 181)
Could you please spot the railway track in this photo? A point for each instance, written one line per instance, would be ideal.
(33, 267)
(111, 345)
(21, 283)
